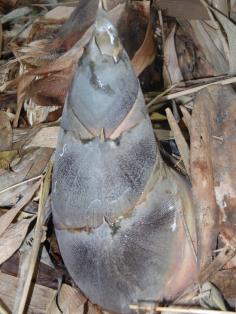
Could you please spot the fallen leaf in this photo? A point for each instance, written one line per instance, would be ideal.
(5, 132)
(208, 40)
(171, 70)
(221, 5)
(31, 164)
(23, 135)
(58, 13)
(12, 238)
(51, 90)
(10, 197)
(213, 166)
(225, 280)
(45, 137)
(209, 272)
(71, 301)
(37, 114)
(233, 10)
(180, 140)
(68, 300)
(15, 14)
(183, 9)
(211, 297)
(24, 82)
(229, 28)
(40, 162)
(146, 53)
(186, 117)
(8, 217)
(41, 296)
(219, 122)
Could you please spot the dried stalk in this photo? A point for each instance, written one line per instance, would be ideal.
(39, 233)
(177, 310)
(186, 117)
(159, 96)
(189, 91)
(180, 140)
(207, 274)
(162, 27)
(21, 183)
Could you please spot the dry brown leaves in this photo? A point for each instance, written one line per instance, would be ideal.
(200, 48)
(69, 300)
(5, 132)
(213, 166)
(40, 298)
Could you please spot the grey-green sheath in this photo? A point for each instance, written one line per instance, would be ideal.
(115, 204)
